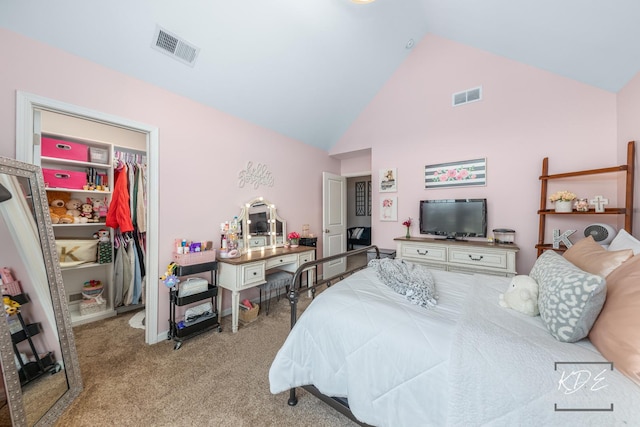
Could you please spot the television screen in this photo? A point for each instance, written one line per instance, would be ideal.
(454, 218)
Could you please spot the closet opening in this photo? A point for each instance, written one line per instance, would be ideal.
(131, 160)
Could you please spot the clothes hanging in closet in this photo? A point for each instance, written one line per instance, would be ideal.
(129, 212)
(119, 213)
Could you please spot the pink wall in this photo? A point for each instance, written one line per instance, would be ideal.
(526, 114)
(202, 150)
(629, 130)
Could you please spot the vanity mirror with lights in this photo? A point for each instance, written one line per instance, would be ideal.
(33, 393)
(261, 226)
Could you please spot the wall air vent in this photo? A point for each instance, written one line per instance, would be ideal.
(467, 96)
(170, 44)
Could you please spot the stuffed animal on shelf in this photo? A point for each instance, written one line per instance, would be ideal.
(10, 306)
(102, 235)
(99, 210)
(521, 295)
(57, 207)
(86, 211)
(74, 209)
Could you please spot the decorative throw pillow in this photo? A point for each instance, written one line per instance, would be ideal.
(616, 332)
(569, 298)
(624, 240)
(593, 258)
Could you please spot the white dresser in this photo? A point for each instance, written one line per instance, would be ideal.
(250, 270)
(464, 257)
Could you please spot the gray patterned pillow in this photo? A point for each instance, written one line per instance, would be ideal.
(570, 299)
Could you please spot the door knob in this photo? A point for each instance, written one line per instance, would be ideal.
(326, 231)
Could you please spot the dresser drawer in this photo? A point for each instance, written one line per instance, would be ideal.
(482, 258)
(424, 252)
(281, 260)
(257, 241)
(252, 273)
(306, 257)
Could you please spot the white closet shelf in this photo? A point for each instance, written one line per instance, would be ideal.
(66, 162)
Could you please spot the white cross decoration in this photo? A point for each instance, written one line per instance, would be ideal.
(562, 238)
(599, 202)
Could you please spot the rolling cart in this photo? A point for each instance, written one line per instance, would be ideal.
(179, 330)
(41, 363)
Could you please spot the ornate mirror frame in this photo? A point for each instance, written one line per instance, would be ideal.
(272, 219)
(60, 309)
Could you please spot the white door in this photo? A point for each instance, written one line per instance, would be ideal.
(334, 222)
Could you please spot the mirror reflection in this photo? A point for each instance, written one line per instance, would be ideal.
(39, 364)
(261, 225)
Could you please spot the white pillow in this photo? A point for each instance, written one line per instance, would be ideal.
(358, 232)
(624, 240)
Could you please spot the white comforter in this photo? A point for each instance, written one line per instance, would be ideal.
(404, 365)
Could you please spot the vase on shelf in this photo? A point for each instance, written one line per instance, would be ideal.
(408, 235)
(564, 206)
(294, 243)
(582, 205)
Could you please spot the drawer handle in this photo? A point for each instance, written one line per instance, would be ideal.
(63, 147)
(475, 259)
(420, 253)
(255, 273)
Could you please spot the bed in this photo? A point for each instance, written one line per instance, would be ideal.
(383, 361)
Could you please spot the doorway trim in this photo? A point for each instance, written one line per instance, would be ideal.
(26, 103)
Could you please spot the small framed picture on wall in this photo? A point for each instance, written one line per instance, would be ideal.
(388, 180)
(389, 208)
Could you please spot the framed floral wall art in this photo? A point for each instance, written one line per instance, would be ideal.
(456, 174)
(389, 208)
(388, 180)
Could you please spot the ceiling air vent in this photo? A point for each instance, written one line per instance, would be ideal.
(467, 96)
(179, 49)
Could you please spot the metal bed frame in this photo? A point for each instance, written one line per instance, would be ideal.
(338, 403)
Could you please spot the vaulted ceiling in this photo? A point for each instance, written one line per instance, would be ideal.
(307, 68)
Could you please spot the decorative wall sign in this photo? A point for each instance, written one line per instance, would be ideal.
(562, 238)
(361, 202)
(388, 180)
(456, 174)
(256, 176)
(389, 208)
(368, 198)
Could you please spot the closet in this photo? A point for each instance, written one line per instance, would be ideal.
(111, 177)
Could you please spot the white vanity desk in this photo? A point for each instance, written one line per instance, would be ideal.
(249, 270)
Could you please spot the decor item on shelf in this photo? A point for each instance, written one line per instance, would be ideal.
(562, 238)
(599, 203)
(407, 223)
(563, 200)
(293, 239)
(582, 205)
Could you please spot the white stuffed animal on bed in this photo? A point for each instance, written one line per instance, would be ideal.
(522, 295)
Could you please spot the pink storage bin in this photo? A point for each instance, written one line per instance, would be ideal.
(61, 149)
(72, 180)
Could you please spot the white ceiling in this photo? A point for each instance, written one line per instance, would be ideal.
(307, 68)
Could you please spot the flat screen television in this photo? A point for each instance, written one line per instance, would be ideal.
(454, 218)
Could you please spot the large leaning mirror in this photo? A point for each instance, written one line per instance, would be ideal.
(40, 369)
(261, 225)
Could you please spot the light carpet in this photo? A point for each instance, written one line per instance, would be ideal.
(214, 379)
